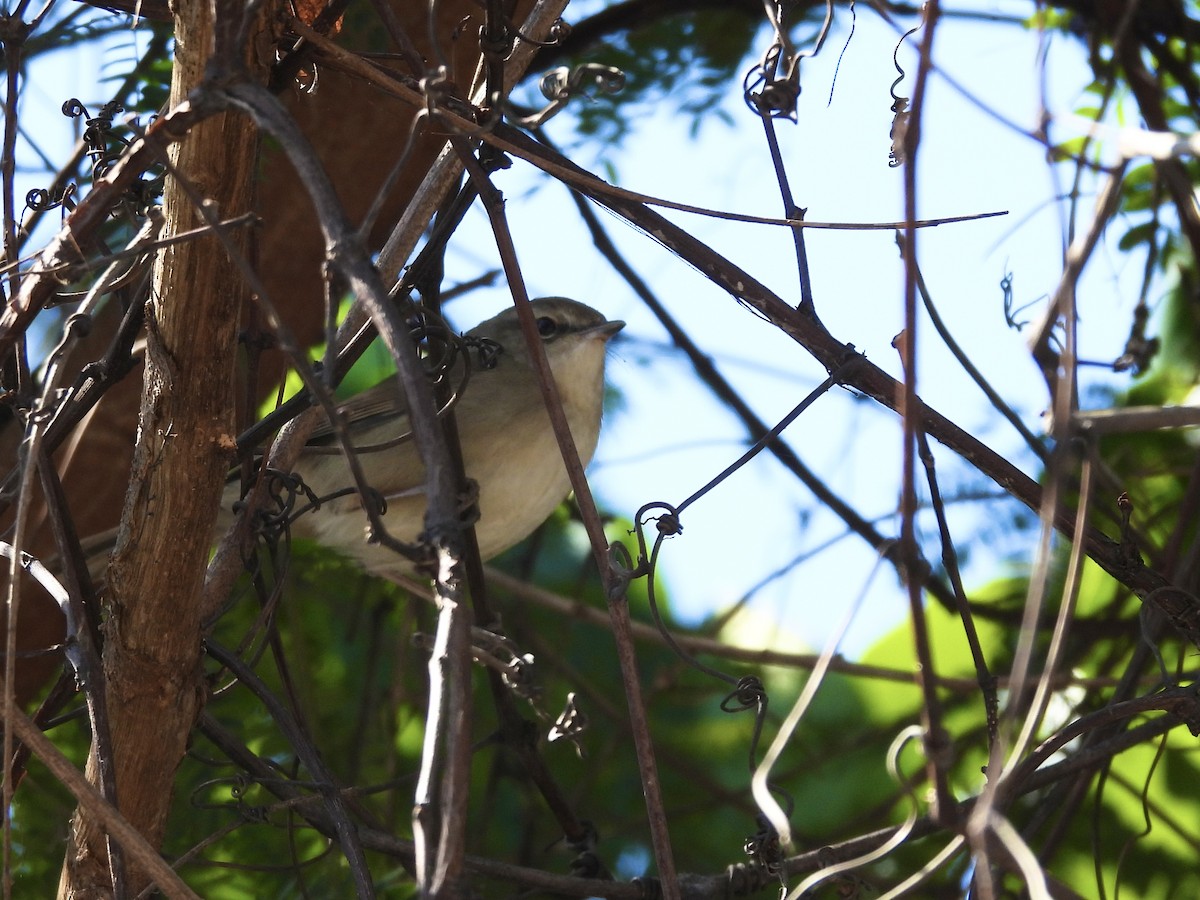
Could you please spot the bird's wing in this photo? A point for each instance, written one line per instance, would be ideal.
(385, 400)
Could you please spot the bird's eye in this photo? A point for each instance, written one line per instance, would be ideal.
(546, 326)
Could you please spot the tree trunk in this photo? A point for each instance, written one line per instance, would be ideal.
(153, 639)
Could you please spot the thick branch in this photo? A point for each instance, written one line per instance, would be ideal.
(153, 636)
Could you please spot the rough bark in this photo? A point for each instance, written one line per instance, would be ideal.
(153, 639)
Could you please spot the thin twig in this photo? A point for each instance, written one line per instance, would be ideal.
(579, 610)
(139, 850)
(382, 842)
(618, 605)
(985, 679)
(455, 116)
(85, 660)
(332, 799)
(937, 740)
(939, 325)
(1062, 623)
(1077, 257)
(790, 210)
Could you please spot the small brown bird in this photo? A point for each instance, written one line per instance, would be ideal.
(508, 444)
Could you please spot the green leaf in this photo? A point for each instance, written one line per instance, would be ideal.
(1138, 234)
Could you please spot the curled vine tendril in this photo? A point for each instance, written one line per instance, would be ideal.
(900, 111)
(42, 200)
(559, 32)
(560, 85)
(772, 88)
(103, 145)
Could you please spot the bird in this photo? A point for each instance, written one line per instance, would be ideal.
(508, 444)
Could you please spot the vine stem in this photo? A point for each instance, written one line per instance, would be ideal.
(618, 607)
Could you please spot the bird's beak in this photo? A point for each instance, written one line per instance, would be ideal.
(605, 331)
